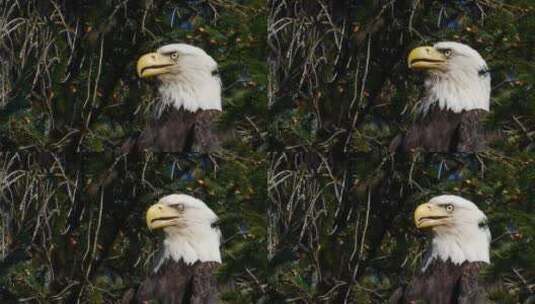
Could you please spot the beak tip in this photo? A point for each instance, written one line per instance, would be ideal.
(139, 69)
(152, 64)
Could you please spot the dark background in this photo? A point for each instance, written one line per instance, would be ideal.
(338, 223)
(73, 228)
(341, 212)
(72, 220)
(68, 81)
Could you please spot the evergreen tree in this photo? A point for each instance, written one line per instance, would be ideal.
(342, 204)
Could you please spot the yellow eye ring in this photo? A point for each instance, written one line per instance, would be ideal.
(449, 208)
(447, 53)
(174, 55)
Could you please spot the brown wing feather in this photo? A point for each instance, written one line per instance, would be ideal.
(432, 131)
(443, 283)
(204, 286)
(437, 285)
(177, 283)
(207, 137)
(471, 134)
(444, 131)
(470, 289)
(170, 284)
(178, 131)
(171, 132)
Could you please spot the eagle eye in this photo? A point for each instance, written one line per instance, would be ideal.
(447, 52)
(449, 208)
(179, 207)
(174, 55)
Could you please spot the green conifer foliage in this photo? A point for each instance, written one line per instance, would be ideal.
(68, 79)
(340, 92)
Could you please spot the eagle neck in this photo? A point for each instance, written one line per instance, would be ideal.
(467, 244)
(191, 92)
(456, 91)
(191, 245)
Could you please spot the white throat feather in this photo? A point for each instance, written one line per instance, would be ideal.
(191, 245)
(191, 91)
(456, 91)
(459, 244)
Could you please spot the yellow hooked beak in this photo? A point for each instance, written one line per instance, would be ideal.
(425, 58)
(428, 215)
(153, 64)
(161, 216)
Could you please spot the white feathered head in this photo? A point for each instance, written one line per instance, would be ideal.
(188, 75)
(188, 223)
(457, 76)
(459, 228)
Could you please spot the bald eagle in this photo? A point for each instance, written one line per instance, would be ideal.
(184, 272)
(459, 249)
(189, 102)
(456, 99)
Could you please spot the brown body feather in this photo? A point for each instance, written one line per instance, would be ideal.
(178, 131)
(178, 283)
(444, 131)
(444, 283)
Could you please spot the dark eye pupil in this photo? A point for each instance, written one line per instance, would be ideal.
(178, 206)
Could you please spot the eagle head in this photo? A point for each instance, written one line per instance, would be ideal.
(189, 229)
(459, 228)
(457, 76)
(188, 77)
